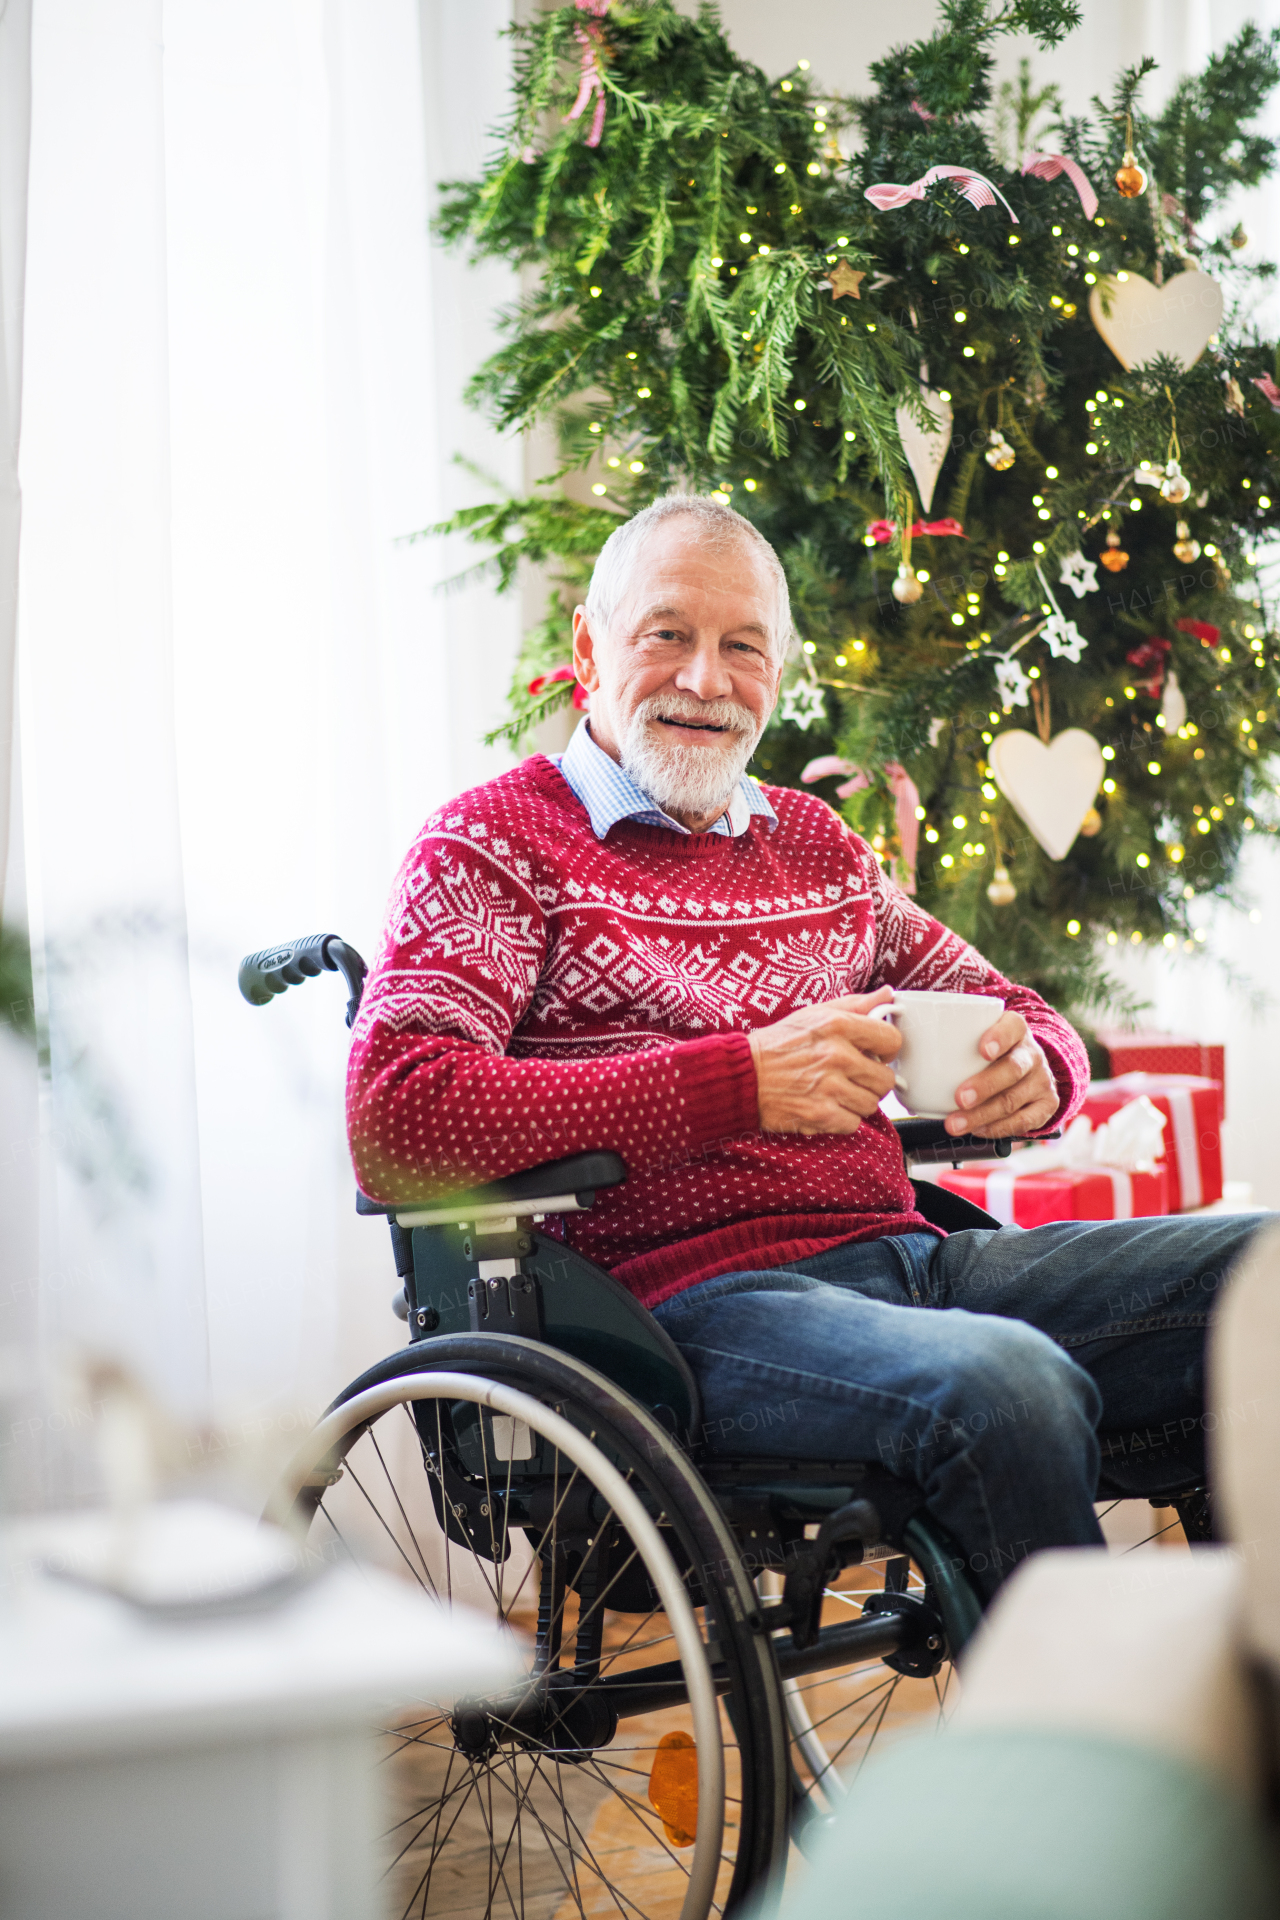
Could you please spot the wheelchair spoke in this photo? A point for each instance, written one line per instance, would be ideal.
(846, 1706)
(338, 1535)
(888, 1699)
(624, 1905)
(643, 1816)
(378, 1515)
(1157, 1535)
(417, 1547)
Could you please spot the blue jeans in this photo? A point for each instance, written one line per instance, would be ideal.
(1006, 1372)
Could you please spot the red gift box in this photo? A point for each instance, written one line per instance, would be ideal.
(1162, 1053)
(1192, 1107)
(1059, 1193)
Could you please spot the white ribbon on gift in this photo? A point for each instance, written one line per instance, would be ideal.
(1129, 1142)
(1186, 1135)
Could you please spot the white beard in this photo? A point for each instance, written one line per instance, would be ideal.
(682, 777)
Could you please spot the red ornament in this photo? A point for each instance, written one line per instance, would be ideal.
(1201, 630)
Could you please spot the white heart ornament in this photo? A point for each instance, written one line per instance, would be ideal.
(1050, 788)
(926, 450)
(1139, 321)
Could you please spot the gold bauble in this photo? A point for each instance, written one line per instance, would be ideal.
(1001, 892)
(1091, 824)
(1175, 488)
(999, 454)
(1114, 559)
(906, 587)
(1130, 178)
(1184, 547)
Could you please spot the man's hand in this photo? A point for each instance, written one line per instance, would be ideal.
(820, 1071)
(1015, 1094)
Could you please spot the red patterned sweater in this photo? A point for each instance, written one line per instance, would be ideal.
(539, 993)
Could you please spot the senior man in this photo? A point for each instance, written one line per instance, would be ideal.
(637, 947)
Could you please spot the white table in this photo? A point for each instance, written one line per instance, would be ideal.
(214, 1770)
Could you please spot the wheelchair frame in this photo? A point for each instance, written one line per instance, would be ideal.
(486, 1295)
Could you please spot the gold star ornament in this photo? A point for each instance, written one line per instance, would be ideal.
(845, 279)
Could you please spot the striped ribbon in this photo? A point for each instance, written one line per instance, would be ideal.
(973, 187)
(1047, 166)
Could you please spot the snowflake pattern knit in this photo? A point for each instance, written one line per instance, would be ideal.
(540, 993)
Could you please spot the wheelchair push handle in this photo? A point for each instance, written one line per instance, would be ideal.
(263, 975)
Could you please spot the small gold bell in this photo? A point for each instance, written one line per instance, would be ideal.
(906, 587)
(1091, 824)
(999, 454)
(1130, 178)
(1184, 547)
(1001, 892)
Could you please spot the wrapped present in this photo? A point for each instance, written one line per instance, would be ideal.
(1192, 1106)
(1111, 1173)
(1162, 1053)
(1062, 1193)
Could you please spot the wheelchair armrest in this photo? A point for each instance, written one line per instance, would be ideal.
(531, 1191)
(928, 1140)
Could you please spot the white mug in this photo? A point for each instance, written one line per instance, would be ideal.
(940, 1036)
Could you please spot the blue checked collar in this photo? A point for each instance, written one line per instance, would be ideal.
(609, 794)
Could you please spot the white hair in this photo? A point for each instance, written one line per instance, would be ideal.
(718, 526)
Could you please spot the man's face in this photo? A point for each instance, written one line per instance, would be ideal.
(684, 681)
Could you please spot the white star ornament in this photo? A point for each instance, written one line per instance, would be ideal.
(1013, 683)
(1063, 638)
(1079, 574)
(803, 702)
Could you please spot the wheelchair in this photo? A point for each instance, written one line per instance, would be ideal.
(709, 1640)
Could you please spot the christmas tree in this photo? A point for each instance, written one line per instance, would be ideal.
(998, 528)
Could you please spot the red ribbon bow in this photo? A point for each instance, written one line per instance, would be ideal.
(581, 697)
(1200, 630)
(906, 798)
(1148, 653)
(1149, 657)
(1270, 392)
(882, 530)
(1047, 166)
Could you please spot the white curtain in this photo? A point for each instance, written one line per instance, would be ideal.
(240, 688)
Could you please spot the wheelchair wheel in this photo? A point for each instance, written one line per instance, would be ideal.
(639, 1766)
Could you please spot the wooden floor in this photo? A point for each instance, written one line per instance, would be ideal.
(599, 1846)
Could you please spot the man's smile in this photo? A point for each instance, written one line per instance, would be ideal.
(690, 726)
